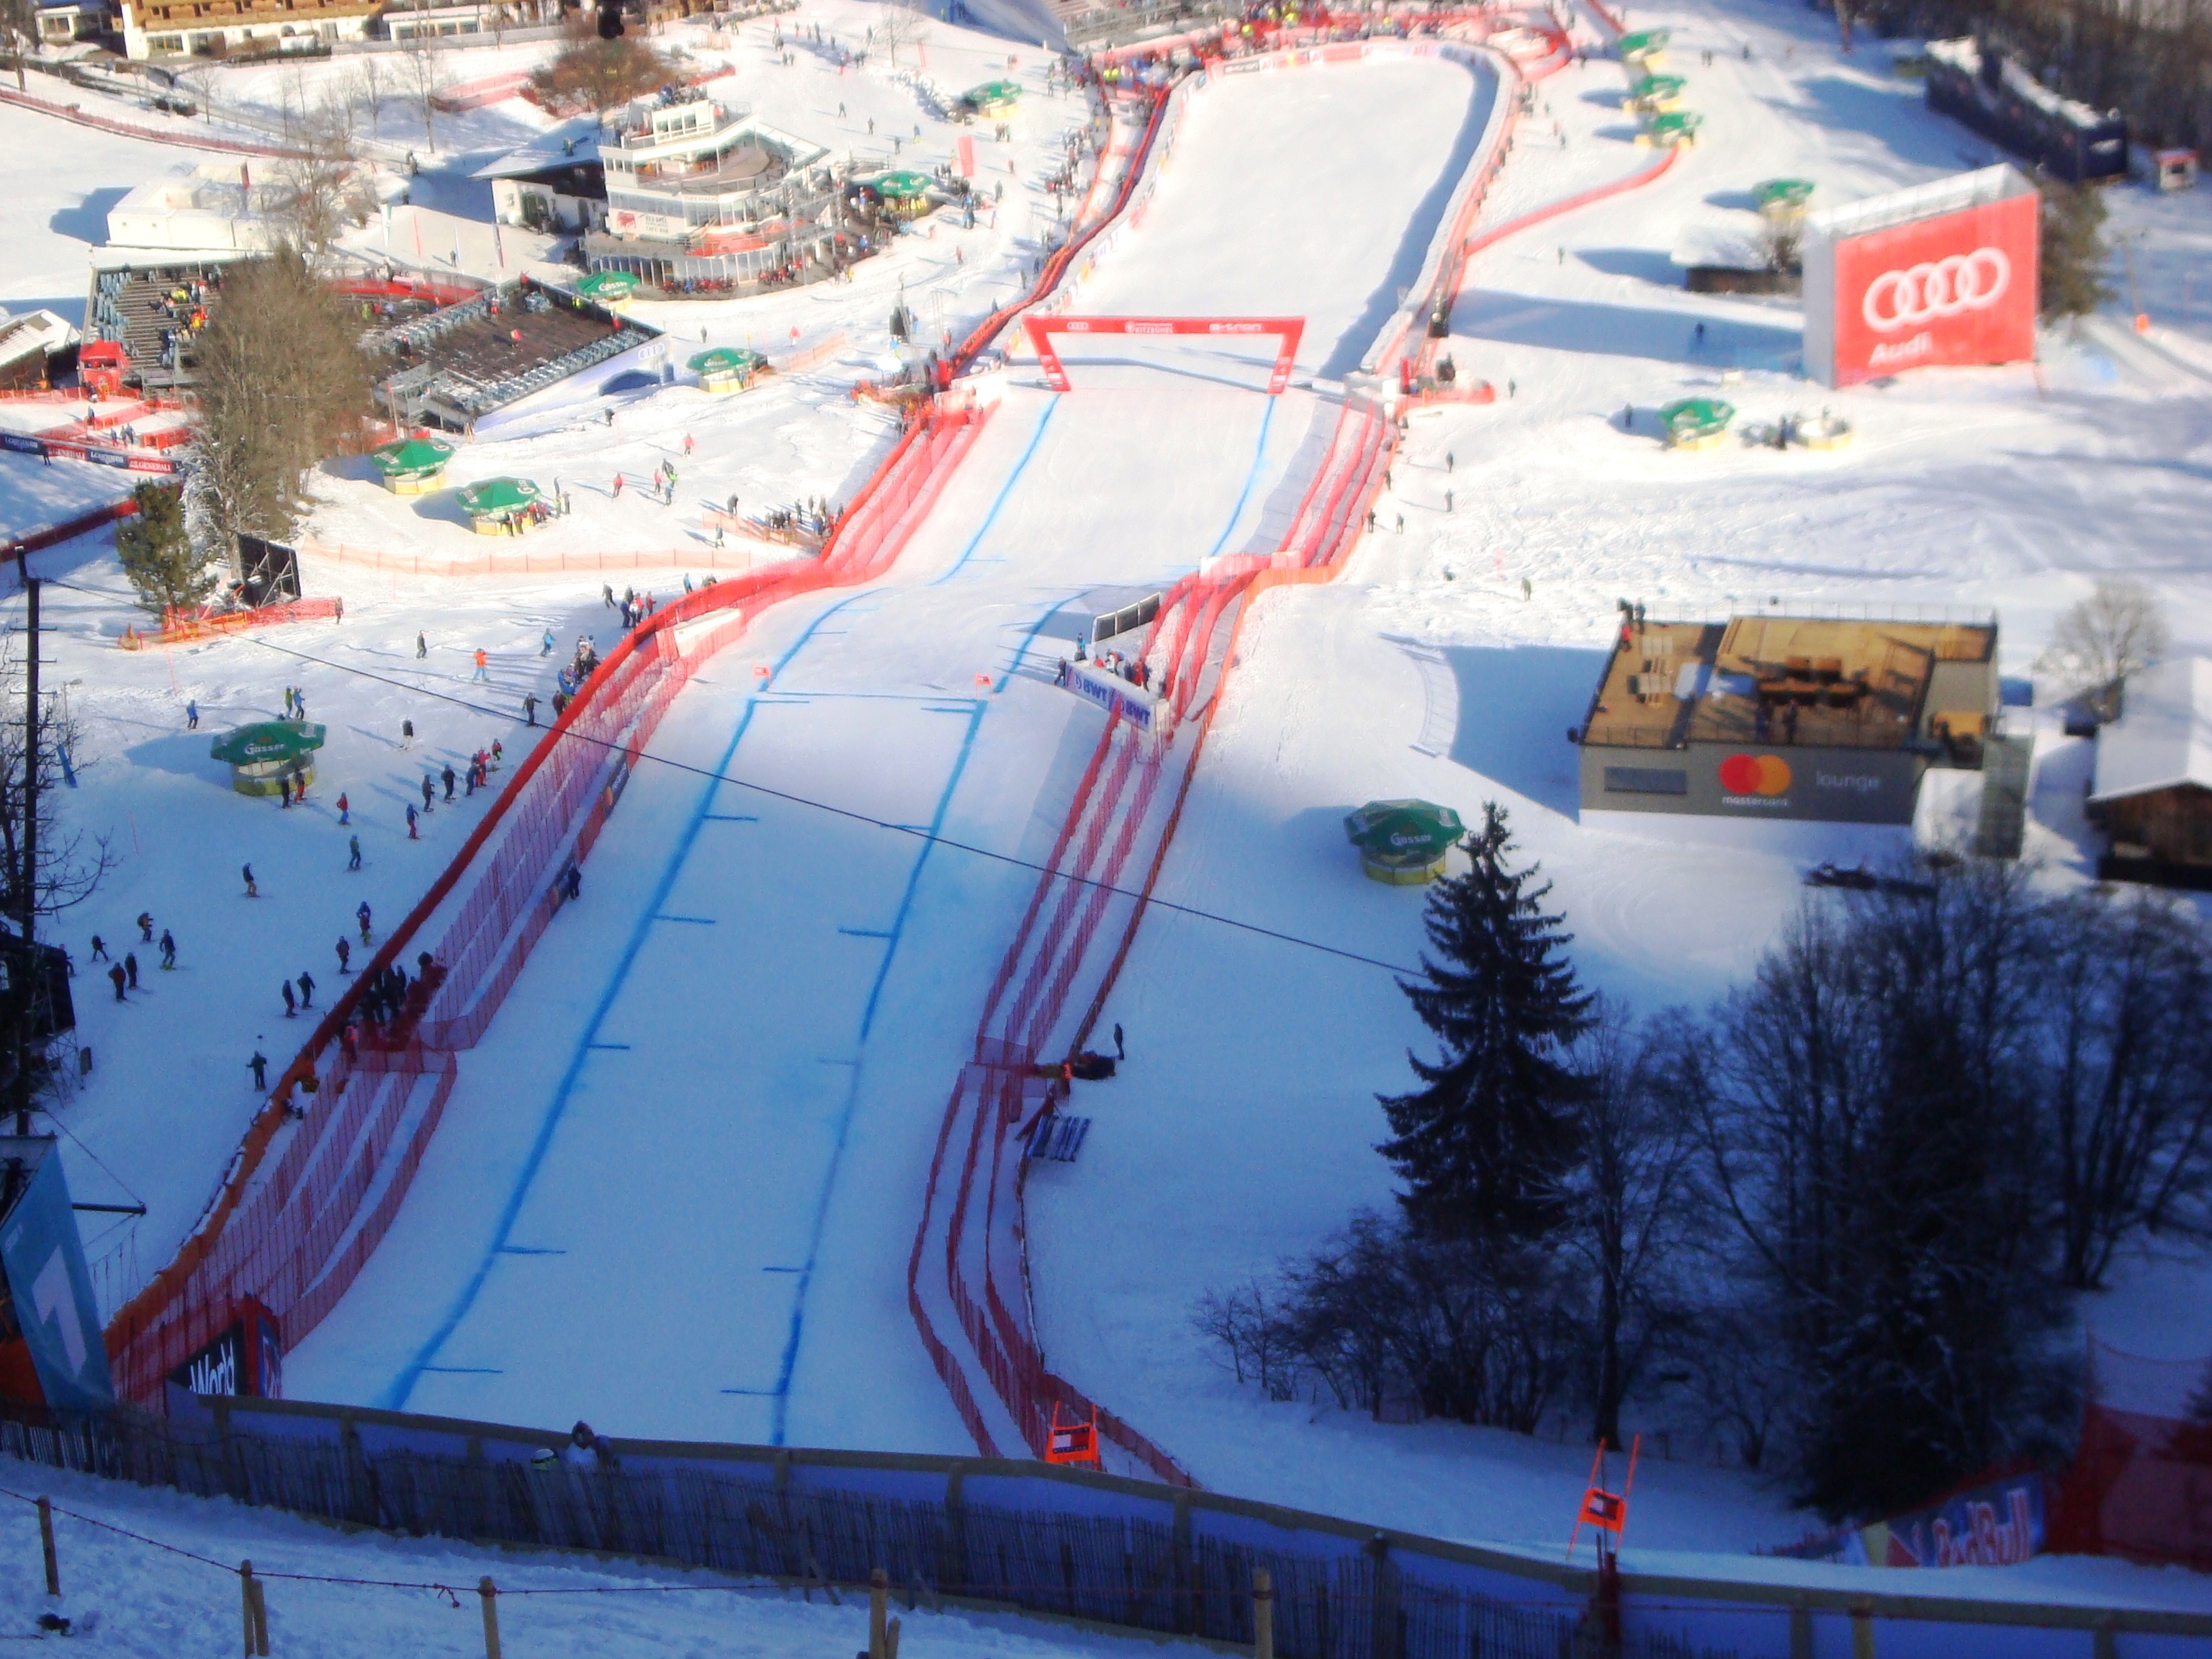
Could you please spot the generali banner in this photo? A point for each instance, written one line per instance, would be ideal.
(1958, 288)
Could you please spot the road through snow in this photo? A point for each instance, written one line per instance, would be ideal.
(674, 1189)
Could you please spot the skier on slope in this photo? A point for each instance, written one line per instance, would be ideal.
(306, 989)
(362, 916)
(345, 955)
(251, 891)
(291, 1003)
(168, 950)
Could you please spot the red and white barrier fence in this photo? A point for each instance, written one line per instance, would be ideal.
(292, 1235)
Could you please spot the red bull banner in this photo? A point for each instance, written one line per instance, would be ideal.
(1944, 273)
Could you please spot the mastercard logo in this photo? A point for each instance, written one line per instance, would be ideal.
(1754, 774)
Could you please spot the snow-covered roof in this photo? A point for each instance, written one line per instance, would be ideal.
(1960, 191)
(2163, 737)
(572, 143)
(1964, 55)
(26, 331)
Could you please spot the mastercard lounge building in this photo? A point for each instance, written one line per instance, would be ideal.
(1786, 717)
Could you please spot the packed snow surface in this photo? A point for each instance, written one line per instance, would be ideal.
(154, 1575)
(675, 1186)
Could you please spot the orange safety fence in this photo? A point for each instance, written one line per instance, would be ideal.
(179, 626)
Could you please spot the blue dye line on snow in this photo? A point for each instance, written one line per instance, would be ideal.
(790, 1360)
(395, 1396)
(529, 1250)
(1251, 477)
(623, 1046)
(695, 921)
(465, 1370)
(998, 501)
(732, 817)
(866, 932)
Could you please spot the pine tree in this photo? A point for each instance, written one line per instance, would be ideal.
(155, 547)
(2073, 254)
(1484, 1146)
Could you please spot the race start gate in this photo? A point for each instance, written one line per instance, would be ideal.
(1286, 330)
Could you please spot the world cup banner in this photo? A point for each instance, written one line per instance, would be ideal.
(1887, 289)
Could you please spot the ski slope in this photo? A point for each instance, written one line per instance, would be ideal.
(676, 1186)
(1242, 1129)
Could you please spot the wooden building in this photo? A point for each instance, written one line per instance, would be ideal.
(2151, 793)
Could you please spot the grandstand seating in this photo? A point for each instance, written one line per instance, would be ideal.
(464, 361)
(127, 307)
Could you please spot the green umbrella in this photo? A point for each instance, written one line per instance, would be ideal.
(992, 94)
(1653, 86)
(1783, 193)
(1680, 124)
(1643, 43)
(410, 456)
(271, 740)
(727, 359)
(1404, 833)
(1696, 417)
(496, 495)
(608, 285)
(901, 186)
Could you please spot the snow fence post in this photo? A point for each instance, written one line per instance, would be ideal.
(1263, 1613)
(487, 1593)
(253, 1612)
(879, 1600)
(46, 1545)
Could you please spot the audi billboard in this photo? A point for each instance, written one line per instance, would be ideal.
(1942, 273)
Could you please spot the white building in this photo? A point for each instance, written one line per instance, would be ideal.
(675, 170)
(218, 205)
(178, 29)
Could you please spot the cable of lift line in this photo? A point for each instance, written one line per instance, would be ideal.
(915, 831)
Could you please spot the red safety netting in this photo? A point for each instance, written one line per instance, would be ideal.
(1004, 1090)
(2140, 1482)
(293, 1232)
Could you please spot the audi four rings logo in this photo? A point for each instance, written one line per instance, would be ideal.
(1957, 283)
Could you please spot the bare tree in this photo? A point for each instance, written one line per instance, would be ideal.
(425, 61)
(320, 190)
(2118, 630)
(368, 79)
(902, 23)
(1250, 1330)
(2128, 1081)
(72, 863)
(283, 385)
(19, 33)
(1637, 1209)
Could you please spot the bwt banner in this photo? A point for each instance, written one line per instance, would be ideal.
(1110, 692)
(1942, 274)
(51, 1289)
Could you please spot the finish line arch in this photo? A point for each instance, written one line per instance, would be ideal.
(1286, 330)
